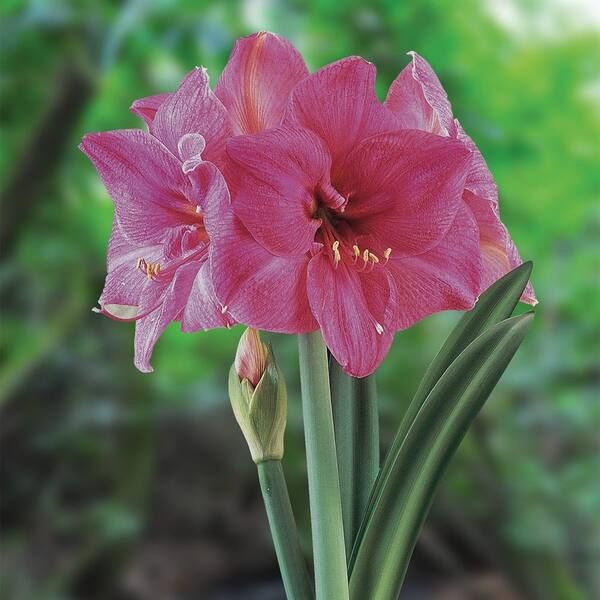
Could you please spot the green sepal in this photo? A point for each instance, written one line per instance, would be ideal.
(261, 412)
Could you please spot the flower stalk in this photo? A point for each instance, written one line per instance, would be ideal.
(259, 400)
(284, 532)
(331, 578)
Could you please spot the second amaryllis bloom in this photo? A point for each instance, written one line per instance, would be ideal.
(341, 219)
(420, 102)
(162, 182)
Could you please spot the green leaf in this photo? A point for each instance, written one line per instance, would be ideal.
(356, 424)
(443, 419)
(495, 304)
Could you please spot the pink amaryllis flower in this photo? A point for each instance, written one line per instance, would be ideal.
(343, 220)
(420, 102)
(163, 181)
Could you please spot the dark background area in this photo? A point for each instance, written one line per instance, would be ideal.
(122, 485)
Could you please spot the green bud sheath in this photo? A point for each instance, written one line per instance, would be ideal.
(261, 412)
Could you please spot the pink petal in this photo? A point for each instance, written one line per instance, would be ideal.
(145, 182)
(257, 81)
(339, 104)
(254, 286)
(273, 186)
(146, 107)
(419, 100)
(498, 252)
(203, 310)
(251, 357)
(172, 300)
(447, 277)
(190, 148)
(356, 312)
(125, 282)
(480, 181)
(405, 188)
(193, 108)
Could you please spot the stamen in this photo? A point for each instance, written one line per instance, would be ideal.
(373, 257)
(365, 257)
(356, 251)
(379, 328)
(387, 253)
(152, 270)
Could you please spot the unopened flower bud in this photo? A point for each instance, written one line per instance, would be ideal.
(258, 397)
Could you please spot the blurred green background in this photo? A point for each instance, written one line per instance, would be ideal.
(122, 485)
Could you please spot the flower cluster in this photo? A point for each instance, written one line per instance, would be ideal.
(291, 201)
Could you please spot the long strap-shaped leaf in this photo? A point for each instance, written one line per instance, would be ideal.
(495, 304)
(442, 421)
(356, 424)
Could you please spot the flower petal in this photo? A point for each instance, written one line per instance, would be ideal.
(145, 181)
(193, 108)
(171, 302)
(254, 286)
(498, 252)
(447, 277)
(203, 310)
(480, 180)
(356, 312)
(146, 107)
(273, 186)
(419, 100)
(257, 81)
(405, 188)
(339, 104)
(125, 282)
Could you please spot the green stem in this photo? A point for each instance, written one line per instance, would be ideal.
(292, 565)
(356, 423)
(331, 576)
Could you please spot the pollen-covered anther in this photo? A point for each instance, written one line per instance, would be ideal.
(373, 257)
(336, 252)
(387, 253)
(356, 253)
(152, 270)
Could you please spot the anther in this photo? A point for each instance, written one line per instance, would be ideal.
(152, 270)
(356, 251)
(373, 257)
(387, 253)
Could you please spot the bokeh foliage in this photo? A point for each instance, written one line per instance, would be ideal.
(81, 427)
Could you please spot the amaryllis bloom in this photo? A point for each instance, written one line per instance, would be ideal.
(420, 102)
(163, 181)
(342, 219)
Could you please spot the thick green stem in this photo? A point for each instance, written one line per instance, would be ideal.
(296, 580)
(331, 576)
(356, 423)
